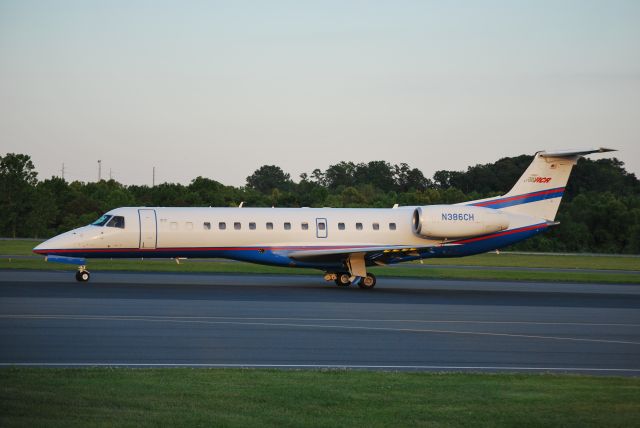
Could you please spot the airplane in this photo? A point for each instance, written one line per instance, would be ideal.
(342, 242)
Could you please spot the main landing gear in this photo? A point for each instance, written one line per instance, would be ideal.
(344, 279)
(83, 274)
(356, 274)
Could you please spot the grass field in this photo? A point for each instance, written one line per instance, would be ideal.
(245, 398)
(613, 262)
(484, 262)
(398, 271)
(18, 247)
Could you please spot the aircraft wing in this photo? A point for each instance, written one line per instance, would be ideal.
(379, 254)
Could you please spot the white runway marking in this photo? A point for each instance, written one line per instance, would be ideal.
(181, 320)
(324, 319)
(326, 366)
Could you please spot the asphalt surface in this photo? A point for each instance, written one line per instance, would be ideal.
(145, 319)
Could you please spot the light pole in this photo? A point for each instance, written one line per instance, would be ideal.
(99, 170)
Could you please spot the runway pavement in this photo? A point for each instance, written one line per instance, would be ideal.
(144, 319)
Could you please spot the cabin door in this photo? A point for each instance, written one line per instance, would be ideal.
(321, 227)
(148, 228)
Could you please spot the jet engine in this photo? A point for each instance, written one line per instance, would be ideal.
(457, 221)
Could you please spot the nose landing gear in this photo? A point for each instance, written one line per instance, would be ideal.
(83, 274)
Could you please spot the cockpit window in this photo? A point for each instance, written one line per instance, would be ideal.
(102, 220)
(116, 221)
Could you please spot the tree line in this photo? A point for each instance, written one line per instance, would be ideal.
(600, 211)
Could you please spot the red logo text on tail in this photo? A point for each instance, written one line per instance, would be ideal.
(536, 179)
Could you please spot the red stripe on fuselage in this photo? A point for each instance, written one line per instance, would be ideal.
(150, 250)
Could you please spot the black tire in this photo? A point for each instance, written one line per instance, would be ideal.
(343, 279)
(368, 282)
(82, 276)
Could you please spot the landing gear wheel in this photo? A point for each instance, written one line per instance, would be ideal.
(342, 280)
(82, 276)
(368, 282)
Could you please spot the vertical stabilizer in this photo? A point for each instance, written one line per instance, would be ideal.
(539, 191)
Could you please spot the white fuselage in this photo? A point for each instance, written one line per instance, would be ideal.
(269, 235)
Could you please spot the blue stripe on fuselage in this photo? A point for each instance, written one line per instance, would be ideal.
(521, 199)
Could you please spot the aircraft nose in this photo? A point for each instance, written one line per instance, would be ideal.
(60, 242)
(43, 247)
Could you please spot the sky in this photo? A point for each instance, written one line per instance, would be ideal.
(219, 88)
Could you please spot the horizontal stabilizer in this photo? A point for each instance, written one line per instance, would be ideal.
(572, 153)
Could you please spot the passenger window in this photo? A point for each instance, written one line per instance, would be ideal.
(358, 226)
(269, 226)
(322, 226)
(173, 225)
(206, 225)
(392, 226)
(116, 221)
(222, 225)
(287, 226)
(252, 226)
(305, 226)
(340, 226)
(376, 226)
(237, 225)
(189, 225)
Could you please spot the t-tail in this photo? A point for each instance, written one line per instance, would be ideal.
(539, 191)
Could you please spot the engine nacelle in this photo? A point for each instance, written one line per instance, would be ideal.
(457, 221)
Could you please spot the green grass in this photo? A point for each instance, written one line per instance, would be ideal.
(483, 260)
(613, 262)
(168, 265)
(18, 247)
(244, 398)
(398, 271)
(510, 275)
